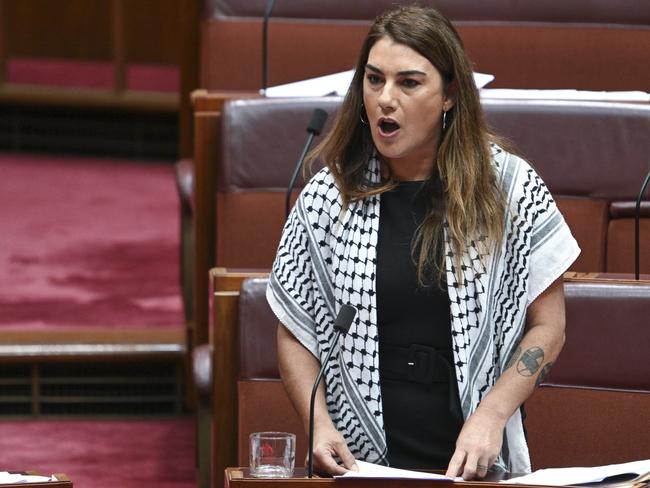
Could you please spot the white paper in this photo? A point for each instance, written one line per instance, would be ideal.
(573, 476)
(607, 96)
(336, 84)
(8, 478)
(369, 470)
(482, 79)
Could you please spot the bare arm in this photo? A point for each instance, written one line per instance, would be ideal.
(480, 439)
(298, 369)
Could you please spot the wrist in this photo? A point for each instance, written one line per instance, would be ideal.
(497, 413)
(323, 424)
(322, 421)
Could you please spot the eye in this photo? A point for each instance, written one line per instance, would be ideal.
(410, 83)
(373, 79)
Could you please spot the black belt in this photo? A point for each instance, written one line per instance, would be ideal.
(423, 365)
(416, 363)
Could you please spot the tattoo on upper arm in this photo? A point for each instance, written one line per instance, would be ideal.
(513, 358)
(543, 374)
(530, 361)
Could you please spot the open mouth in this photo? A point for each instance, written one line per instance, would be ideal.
(388, 127)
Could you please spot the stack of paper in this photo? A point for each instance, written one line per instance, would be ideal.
(369, 470)
(7, 478)
(578, 476)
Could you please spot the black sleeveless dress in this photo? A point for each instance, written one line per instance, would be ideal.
(422, 416)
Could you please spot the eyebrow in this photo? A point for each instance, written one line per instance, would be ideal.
(407, 72)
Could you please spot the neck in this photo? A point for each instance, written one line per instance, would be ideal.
(412, 169)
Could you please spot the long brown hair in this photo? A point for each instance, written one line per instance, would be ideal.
(463, 189)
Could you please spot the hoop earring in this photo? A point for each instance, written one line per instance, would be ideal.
(363, 109)
(444, 121)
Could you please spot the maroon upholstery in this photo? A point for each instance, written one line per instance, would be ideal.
(263, 404)
(258, 352)
(608, 337)
(588, 44)
(202, 371)
(582, 149)
(262, 142)
(185, 181)
(591, 155)
(595, 407)
(587, 427)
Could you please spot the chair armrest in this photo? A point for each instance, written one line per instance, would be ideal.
(185, 181)
(202, 372)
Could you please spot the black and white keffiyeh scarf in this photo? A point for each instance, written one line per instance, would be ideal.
(327, 257)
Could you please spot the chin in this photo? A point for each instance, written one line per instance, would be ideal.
(388, 153)
(386, 150)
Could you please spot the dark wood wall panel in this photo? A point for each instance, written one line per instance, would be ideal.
(77, 29)
(83, 29)
(153, 30)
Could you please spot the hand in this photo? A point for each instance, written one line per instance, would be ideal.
(328, 442)
(478, 445)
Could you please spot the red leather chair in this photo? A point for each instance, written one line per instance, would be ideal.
(594, 409)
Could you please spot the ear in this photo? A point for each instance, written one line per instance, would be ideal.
(450, 97)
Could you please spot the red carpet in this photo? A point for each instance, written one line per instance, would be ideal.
(103, 454)
(88, 243)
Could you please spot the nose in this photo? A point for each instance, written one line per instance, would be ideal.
(386, 99)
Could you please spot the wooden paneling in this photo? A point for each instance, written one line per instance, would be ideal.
(77, 29)
(119, 32)
(83, 29)
(152, 30)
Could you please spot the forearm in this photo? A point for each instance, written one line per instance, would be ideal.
(533, 358)
(527, 368)
(298, 370)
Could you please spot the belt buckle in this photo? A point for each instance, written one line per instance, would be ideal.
(421, 364)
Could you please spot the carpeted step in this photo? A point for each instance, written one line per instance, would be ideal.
(103, 454)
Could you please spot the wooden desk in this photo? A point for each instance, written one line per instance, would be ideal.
(62, 483)
(240, 478)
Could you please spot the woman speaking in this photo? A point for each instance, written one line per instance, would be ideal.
(450, 248)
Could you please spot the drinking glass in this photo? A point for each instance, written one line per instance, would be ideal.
(272, 454)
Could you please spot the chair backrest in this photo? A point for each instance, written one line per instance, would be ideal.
(583, 44)
(263, 404)
(593, 156)
(261, 143)
(594, 409)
